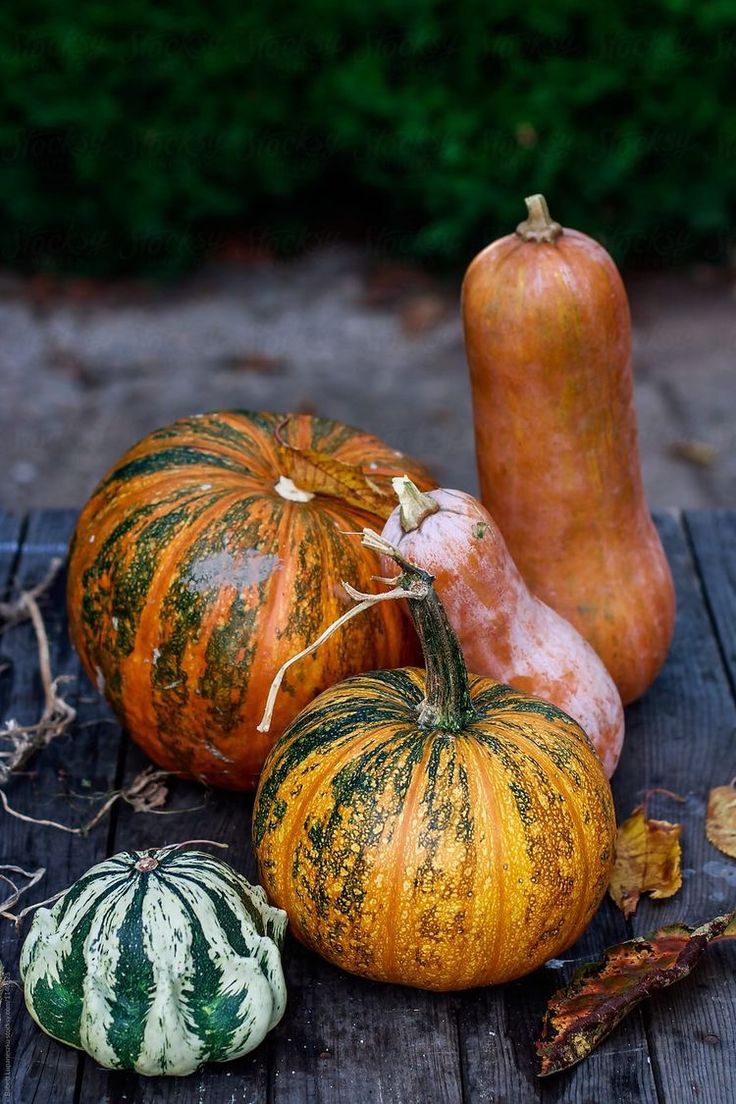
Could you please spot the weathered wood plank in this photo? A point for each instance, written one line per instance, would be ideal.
(713, 536)
(346, 1039)
(498, 1028)
(10, 533)
(10, 536)
(42, 1069)
(684, 727)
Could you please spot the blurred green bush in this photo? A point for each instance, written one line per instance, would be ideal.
(137, 139)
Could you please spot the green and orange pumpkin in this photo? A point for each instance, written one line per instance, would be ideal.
(211, 552)
(427, 828)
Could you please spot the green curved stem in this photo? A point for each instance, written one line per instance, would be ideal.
(447, 704)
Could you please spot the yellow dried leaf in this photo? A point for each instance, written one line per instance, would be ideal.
(317, 472)
(720, 823)
(647, 860)
(366, 485)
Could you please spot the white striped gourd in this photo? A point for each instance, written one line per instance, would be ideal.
(157, 961)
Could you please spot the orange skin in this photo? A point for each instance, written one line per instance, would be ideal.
(548, 341)
(441, 860)
(192, 578)
(505, 632)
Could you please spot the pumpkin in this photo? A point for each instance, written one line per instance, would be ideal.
(157, 961)
(504, 630)
(432, 829)
(548, 341)
(212, 550)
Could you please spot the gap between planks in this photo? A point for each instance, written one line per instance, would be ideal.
(690, 520)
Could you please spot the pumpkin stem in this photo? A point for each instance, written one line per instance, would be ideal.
(447, 704)
(367, 600)
(539, 227)
(288, 489)
(415, 505)
(149, 860)
(146, 864)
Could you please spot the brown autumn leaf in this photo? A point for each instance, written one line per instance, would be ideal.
(390, 282)
(700, 453)
(423, 313)
(313, 472)
(260, 363)
(601, 994)
(647, 860)
(720, 822)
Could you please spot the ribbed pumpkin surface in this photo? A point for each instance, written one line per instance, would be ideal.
(157, 970)
(430, 858)
(192, 578)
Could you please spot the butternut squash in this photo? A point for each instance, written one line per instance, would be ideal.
(548, 341)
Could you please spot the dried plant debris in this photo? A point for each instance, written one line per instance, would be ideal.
(602, 993)
(148, 791)
(23, 741)
(11, 613)
(146, 794)
(720, 821)
(648, 857)
(33, 876)
(423, 313)
(260, 363)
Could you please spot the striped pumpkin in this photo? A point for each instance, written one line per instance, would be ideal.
(429, 830)
(157, 961)
(206, 557)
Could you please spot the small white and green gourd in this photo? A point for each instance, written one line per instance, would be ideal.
(157, 961)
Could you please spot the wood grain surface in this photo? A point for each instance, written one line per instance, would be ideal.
(346, 1040)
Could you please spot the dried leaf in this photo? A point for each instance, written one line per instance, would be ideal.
(423, 313)
(389, 282)
(699, 453)
(729, 932)
(647, 860)
(720, 823)
(317, 472)
(148, 790)
(260, 363)
(602, 993)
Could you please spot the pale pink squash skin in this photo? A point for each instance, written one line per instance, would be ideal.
(505, 631)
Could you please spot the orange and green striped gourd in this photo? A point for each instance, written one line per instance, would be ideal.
(210, 552)
(430, 828)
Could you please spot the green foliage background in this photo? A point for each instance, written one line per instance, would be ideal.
(136, 138)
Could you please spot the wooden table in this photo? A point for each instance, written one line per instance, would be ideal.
(343, 1039)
